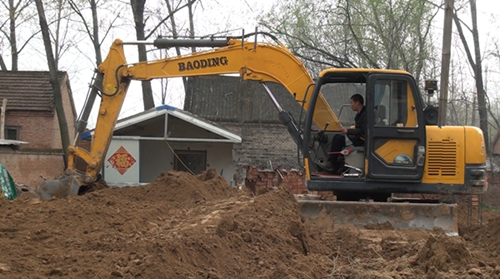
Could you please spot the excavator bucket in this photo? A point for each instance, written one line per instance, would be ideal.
(66, 185)
(383, 215)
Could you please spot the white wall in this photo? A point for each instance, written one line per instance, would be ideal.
(111, 174)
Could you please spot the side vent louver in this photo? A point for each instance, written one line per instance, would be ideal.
(442, 158)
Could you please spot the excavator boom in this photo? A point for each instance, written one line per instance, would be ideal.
(263, 62)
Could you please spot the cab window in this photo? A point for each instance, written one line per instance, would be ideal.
(394, 104)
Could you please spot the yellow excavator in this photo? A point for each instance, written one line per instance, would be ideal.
(404, 152)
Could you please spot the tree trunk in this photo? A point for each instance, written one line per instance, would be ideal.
(191, 22)
(474, 111)
(445, 62)
(481, 94)
(54, 81)
(57, 40)
(2, 64)
(13, 43)
(95, 30)
(175, 36)
(138, 11)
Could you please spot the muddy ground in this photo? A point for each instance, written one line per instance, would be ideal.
(184, 226)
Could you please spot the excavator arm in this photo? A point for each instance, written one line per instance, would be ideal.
(263, 62)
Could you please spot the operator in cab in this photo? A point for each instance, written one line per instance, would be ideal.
(335, 162)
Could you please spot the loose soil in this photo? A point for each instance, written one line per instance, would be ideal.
(184, 226)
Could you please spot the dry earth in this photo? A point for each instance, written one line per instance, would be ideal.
(184, 226)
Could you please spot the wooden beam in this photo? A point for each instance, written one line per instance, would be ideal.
(2, 119)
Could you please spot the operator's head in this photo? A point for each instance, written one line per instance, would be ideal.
(357, 102)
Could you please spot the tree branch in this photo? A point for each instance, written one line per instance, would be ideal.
(165, 19)
(358, 43)
(27, 40)
(77, 10)
(464, 41)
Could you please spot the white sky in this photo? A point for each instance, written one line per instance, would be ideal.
(218, 15)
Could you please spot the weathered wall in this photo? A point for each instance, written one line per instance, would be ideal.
(263, 146)
(27, 167)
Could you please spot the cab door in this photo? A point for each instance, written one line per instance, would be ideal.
(395, 129)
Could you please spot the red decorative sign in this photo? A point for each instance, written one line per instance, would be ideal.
(121, 160)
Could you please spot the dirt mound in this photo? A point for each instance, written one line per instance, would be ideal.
(486, 239)
(183, 190)
(444, 253)
(184, 226)
(489, 234)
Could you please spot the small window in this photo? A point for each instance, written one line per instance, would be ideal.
(12, 132)
(190, 161)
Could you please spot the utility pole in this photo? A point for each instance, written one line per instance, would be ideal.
(445, 61)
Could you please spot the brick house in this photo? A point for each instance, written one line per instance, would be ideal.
(32, 146)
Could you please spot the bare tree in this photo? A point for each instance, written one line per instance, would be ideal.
(16, 11)
(60, 33)
(94, 26)
(54, 81)
(175, 33)
(138, 12)
(476, 65)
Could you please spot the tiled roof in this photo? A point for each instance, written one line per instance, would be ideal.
(28, 90)
(232, 99)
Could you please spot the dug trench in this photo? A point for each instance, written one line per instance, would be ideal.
(184, 226)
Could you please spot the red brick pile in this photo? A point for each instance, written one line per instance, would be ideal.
(260, 180)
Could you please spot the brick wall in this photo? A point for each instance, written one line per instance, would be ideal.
(258, 180)
(36, 128)
(26, 167)
(261, 144)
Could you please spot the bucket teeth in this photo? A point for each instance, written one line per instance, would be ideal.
(67, 185)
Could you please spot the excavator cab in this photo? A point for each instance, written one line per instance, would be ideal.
(395, 142)
(403, 152)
